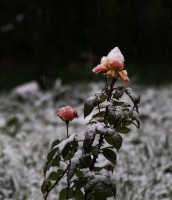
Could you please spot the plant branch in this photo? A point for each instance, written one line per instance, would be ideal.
(68, 181)
(53, 186)
(114, 79)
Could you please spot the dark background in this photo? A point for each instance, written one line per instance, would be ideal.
(45, 40)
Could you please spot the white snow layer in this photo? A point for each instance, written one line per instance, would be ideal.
(28, 125)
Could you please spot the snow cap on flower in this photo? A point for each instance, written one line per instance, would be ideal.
(67, 113)
(115, 59)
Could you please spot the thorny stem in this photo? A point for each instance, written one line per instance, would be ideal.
(49, 190)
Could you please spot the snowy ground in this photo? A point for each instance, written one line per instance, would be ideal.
(28, 124)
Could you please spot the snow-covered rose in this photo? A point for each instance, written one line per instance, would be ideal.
(113, 61)
(67, 113)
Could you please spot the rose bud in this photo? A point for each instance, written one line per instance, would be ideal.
(67, 113)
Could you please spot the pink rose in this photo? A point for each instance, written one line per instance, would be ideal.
(67, 113)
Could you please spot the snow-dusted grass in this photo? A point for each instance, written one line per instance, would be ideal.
(28, 124)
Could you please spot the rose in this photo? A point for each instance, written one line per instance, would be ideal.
(113, 61)
(113, 65)
(67, 113)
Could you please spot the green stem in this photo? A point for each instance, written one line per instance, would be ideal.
(67, 128)
(68, 181)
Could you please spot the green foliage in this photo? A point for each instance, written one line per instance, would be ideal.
(115, 140)
(110, 155)
(123, 130)
(88, 108)
(84, 177)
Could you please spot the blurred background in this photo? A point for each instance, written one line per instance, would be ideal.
(44, 40)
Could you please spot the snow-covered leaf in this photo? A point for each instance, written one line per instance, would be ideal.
(54, 143)
(51, 154)
(69, 150)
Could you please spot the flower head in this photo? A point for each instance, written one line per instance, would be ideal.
(113, 61)
(67, 113)
(112, 65)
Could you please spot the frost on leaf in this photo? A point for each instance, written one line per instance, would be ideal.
(89, 136)
(91, 131)
(62, 144)
(74, 163)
